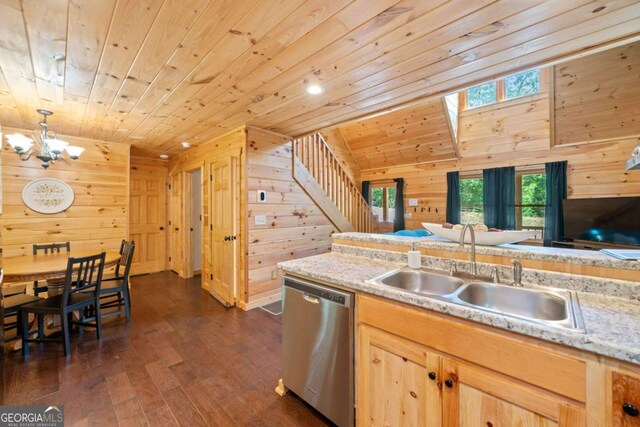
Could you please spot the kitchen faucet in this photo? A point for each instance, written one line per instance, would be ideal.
(517, 273)
(474, 268)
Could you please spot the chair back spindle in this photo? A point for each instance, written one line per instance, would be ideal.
(83, 275)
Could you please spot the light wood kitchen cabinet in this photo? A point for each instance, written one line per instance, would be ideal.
(418, 368)
(475, 396)
(399, 381)
(625, 402)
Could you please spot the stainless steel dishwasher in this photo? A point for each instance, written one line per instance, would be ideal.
(317, 341)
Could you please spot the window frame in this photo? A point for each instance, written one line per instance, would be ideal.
(385, 185)
(474, 174)
(501, 96)
(520, 173)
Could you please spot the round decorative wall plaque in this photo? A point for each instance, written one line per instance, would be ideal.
(48, 196)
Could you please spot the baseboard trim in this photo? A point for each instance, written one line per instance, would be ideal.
(260, 301)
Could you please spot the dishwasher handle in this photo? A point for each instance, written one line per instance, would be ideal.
(311, 299)
(315, 293)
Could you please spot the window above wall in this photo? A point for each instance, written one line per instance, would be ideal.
(510, 87)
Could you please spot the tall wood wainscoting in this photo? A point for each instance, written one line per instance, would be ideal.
(98, 218)
(514, 133)
(232, 143)
(295, 226)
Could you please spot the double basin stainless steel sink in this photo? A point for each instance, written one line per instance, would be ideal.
(549, 307)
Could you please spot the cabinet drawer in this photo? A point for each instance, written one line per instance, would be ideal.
(625, 403)
(519, 357)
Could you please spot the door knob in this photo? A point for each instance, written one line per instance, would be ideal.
(432, 375)
(161, 228)
(227, 238)
(448, 383)
(630, 409)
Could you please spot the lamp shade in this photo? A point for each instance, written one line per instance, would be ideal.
(74, 151)
(56, 145)
(19, 142)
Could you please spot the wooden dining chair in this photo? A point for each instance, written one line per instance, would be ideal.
(81, 289)
(46, 249)
(12, 306)
(117, 286)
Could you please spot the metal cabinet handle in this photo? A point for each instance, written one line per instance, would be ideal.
(432, 375)
(448, 382)
(630, 409)
(311, 299)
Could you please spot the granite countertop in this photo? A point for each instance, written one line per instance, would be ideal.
(612, 323)
(572, 256)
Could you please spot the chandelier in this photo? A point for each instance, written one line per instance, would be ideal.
(48, 148)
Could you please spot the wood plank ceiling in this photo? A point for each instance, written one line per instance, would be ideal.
(411, 135)
(157, 72)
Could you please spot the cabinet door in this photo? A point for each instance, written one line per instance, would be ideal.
(625, 405)
(397, 381)
(474, 396)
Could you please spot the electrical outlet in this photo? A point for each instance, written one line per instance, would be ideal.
(261, 220)
(407, 215)
(413, 202)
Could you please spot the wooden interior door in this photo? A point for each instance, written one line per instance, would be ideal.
(224, 235)
(398, 381)
(177, 240)
(473, 396)
(147, 221)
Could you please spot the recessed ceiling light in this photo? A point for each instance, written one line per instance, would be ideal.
(315, 90)
(164, 156)
(186, 144)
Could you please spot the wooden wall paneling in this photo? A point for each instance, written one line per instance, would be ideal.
(342, 151)
(597, 98)
(295, 226)
(513, 133)
(405, 136)
(148, 224)
(98, 218)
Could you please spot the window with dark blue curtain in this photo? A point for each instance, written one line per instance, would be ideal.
(398, 221)
(556, 183)
(499, 193)
(453, 197)
(365, 192)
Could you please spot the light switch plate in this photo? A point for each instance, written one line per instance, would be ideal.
(407, 215)
(413, 202)
(261, 220)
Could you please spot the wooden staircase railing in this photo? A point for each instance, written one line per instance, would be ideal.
(318, 171)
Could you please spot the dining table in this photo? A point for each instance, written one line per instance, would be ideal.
(51, 267)
(41, 267)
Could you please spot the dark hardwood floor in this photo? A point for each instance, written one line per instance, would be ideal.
(183, 360)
